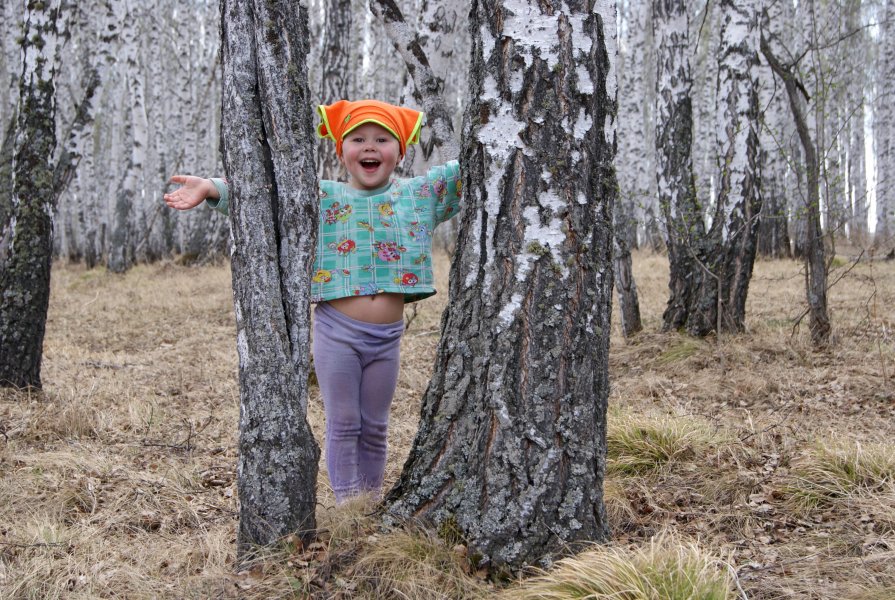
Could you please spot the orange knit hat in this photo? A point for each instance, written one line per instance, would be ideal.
(340, 118)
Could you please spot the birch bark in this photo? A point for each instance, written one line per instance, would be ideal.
(268, 157)
(885, 111)
(856, 83)
(684, 225)
(511, 446)
(735, 224)
(336, 72)
(26, 225)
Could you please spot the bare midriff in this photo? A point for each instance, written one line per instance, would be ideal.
(379, 308)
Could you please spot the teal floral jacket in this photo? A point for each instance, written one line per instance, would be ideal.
(372, 242)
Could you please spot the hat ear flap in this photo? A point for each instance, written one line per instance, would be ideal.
(413, 123)
(329, 116)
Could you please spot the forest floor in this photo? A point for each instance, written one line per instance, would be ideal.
(772, 460)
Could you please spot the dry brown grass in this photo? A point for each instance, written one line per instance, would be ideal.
(118, 480)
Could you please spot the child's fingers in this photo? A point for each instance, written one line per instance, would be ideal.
(181, 179)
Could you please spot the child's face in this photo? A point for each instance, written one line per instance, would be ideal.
(370, 154)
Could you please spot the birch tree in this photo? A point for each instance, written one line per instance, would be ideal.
(685, 229)
(856, 166)
(885, 118)
(776, 159)
(633, 161)
(636, 158)
(336, 71)
(511, 447)
(735, 225)
(268, 156)
(26, 223)
(711, 267)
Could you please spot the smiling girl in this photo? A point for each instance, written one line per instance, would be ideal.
(371, 260)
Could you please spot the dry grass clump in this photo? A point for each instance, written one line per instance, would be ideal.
(637, 444)
(413, 564)
(666, 568)
(836, 471)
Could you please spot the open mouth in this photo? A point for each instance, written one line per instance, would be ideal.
(369, 164)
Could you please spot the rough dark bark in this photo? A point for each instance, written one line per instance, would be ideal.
(773, 230)
(510, 453)
(26, 231)
(268, 155)
(815, 263)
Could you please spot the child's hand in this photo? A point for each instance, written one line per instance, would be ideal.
(193, 191)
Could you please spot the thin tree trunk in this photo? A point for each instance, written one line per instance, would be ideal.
(511, 447)
(774, 158)
(859, 231)
(428, 85)
(268, 156)
(884, 236)
(815, 271)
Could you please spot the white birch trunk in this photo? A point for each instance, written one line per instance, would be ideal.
(856, 83)
(705, 31)
(885, 119)
(776, 158)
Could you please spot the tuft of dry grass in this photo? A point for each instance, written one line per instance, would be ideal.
(835, 471)
(664, 569)
(638, 443)
(413, 564)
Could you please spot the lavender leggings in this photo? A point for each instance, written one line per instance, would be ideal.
(357, 369)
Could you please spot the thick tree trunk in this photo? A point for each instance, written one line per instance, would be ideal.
(26, 230)
(268, 155)
(710, 270)
(511, 447)
(705, 42)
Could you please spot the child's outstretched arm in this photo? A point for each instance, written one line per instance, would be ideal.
(192, 192)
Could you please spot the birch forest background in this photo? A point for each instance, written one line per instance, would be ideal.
(138, 99)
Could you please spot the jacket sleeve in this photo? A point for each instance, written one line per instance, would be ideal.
(445, 182)
(223, 203)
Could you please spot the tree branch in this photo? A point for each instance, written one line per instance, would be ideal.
(428, 87)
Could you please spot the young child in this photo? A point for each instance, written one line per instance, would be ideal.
(374, 246)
